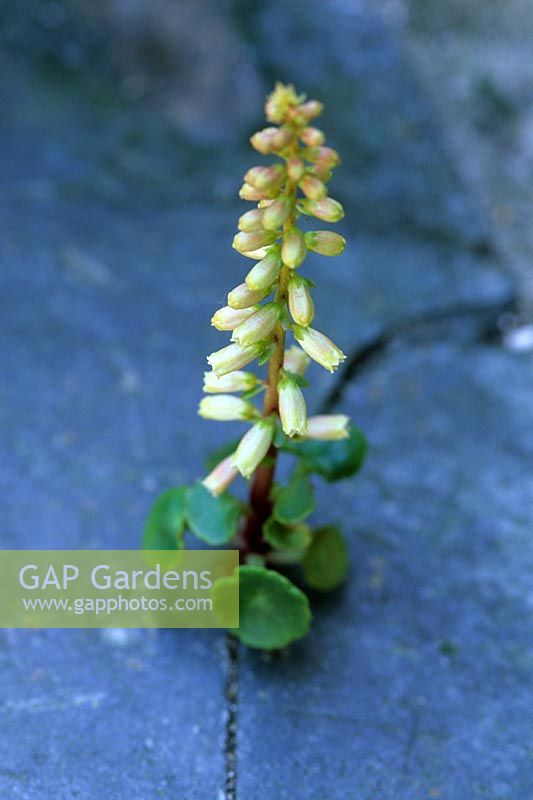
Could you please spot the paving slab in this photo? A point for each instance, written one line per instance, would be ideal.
(115, 250)
(415, 681)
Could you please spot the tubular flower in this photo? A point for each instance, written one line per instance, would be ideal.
(265, 272)
(237, 381)
(227, 318)
(220, 478)
(276, 213)
(265, 177)
(232, 357)
(257, 327)
(292, 408)
(293, 249)
(243, 297)
(319, 347)
(313, 188)
(326, 209)
(300, 301)
(225, 408)
(328, 427)
(253, 447)
(295, 361)
(245, 242)
(327, 243)
(251, 221)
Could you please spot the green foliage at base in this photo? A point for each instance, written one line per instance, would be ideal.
(334, 461)
(326, 561)
(272, 611)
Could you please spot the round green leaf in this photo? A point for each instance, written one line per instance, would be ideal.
(166, 521)
(289, 538)
(326, 561)
(214, 520)
(333, 460)
(294, 502)
(272, 611)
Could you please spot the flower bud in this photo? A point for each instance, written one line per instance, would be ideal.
(327, 155)
(281, 101)
(312, 137)
(313, 188)
(275, 215)
(327, 243)
(226, 408)
(257, 327)
(232, 357)
(232, 382)
(244, 242)
(293, 249)
(295, 169)
(265, 272)
(322, 171)
(328, 427)
(251, 221)
(319, 347)
(227, 318)
(271, 140)
(253, 447)
(243, 297)
(311, 109)
(292, 410)
(295, 361)
(265, 177)
(327, 209)
(300, 301)
(247, 192)
(220, 478)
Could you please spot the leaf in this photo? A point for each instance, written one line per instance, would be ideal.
(214, 520)
(294, 502)
(220, 453)
(166, 521)
(291, 539)
(272, 611)
(333, 460)
(326, 562)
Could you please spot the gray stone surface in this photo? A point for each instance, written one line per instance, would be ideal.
(115, 250)
(416, 680)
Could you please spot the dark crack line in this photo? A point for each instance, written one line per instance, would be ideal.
(374, 349)
(231, 693)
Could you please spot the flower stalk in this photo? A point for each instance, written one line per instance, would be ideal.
(271, 234)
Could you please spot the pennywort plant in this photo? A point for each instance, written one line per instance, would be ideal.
(272, 304)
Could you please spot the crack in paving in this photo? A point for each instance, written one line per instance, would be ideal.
(231, 694)
(375, 348)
